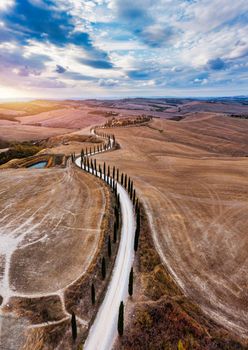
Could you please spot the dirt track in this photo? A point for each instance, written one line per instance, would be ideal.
(196, 194)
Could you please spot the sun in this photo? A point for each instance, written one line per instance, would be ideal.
(9, 93)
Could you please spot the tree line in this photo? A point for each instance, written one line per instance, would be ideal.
(112, 176)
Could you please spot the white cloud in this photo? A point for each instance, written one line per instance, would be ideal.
(6, 4)
(204, 15)
(156, 43)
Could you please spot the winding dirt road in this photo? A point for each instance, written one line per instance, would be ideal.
(104, 329)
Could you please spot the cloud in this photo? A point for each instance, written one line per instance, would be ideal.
(139, 75)
(216, 64)
(13, 57)
(134, 11)
(59, 69)
(47, 84)
(6, 5)
(158, 35)
(98, 64)
(26, 71)
(134, 46)
(108, 82)
(77, 76)
(33, 21)
(141, 19)
(45, 22)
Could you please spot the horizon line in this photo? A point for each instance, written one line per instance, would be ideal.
(29, 99)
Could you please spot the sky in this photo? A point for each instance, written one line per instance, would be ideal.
(123, 48)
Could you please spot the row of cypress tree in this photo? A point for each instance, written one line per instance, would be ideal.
(120, 322)
(111, 178)
(109, 248)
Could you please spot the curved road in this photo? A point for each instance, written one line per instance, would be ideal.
(103, 332)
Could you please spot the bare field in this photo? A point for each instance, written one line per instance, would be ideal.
(14, 132)
(51, 232)
(42, 119)
(71, 118)
(191, 176)
(46, 212)
(195, 193)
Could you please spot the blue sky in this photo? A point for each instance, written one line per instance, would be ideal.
(115, 48)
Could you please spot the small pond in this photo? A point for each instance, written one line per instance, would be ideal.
(38, 165)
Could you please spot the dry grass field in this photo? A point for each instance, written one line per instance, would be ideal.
(195, 194)
(14, 132)
(50, 233)
(191, 175)
(70, 118)
(43, 119)
(46, 211)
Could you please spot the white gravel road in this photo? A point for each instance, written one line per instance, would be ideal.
(103, 332)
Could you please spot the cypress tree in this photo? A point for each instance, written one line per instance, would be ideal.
(137, 205)
(108, 171)
(117, 216)
(92, 166)
(113, 172)
(122, 179)
(95, 168)
(134, 196)
(130, 284)
(104, 169)
(138, 218)
(131, 190)
(117, 175)
(93, 294)
(109, 247)
(120, 325)
(115, 233)
(73, 326)
(136, 239)
(125, 181)
(103, 268)
(118, 200)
